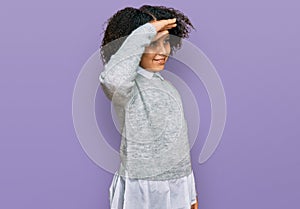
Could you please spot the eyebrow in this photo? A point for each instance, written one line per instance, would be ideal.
(167, 36)
(164, 38)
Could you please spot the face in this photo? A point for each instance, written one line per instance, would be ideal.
(156, 54)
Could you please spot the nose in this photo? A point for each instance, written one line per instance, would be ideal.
(162, 49)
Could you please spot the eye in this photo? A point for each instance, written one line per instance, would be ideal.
(153, 44)
(167, 40)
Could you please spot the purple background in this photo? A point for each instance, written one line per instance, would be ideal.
(255, 48)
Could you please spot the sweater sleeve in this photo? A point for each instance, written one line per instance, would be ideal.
(117, 78)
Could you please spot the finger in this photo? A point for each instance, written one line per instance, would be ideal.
(161, 24)
(168, 22)
(170, 26)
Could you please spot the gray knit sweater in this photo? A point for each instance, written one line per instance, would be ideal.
(154, 141)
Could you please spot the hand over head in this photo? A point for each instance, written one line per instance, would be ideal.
(162, 26)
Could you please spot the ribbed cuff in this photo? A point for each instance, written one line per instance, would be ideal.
(150, 28)
(147, 29)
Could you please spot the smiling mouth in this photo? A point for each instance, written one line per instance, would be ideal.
(160, 61)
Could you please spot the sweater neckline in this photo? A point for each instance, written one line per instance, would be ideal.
(148, 74)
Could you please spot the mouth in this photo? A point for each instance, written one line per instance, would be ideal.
(160, 61)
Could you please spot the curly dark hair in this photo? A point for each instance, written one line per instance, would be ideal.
(122, 23)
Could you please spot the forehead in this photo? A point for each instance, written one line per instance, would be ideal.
(162, 38)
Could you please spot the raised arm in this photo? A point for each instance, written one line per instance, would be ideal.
(119, 73)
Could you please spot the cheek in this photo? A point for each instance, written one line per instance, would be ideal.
(168, 48)
(149, 53)
(148, 56)
(146, 59)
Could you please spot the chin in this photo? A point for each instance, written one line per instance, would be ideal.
(159, 68)
(154, 67)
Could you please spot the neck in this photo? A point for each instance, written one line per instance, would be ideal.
(151, 70)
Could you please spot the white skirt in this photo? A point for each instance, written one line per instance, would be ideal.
(128, 193)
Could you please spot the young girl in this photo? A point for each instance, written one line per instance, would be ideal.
(155, 170)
